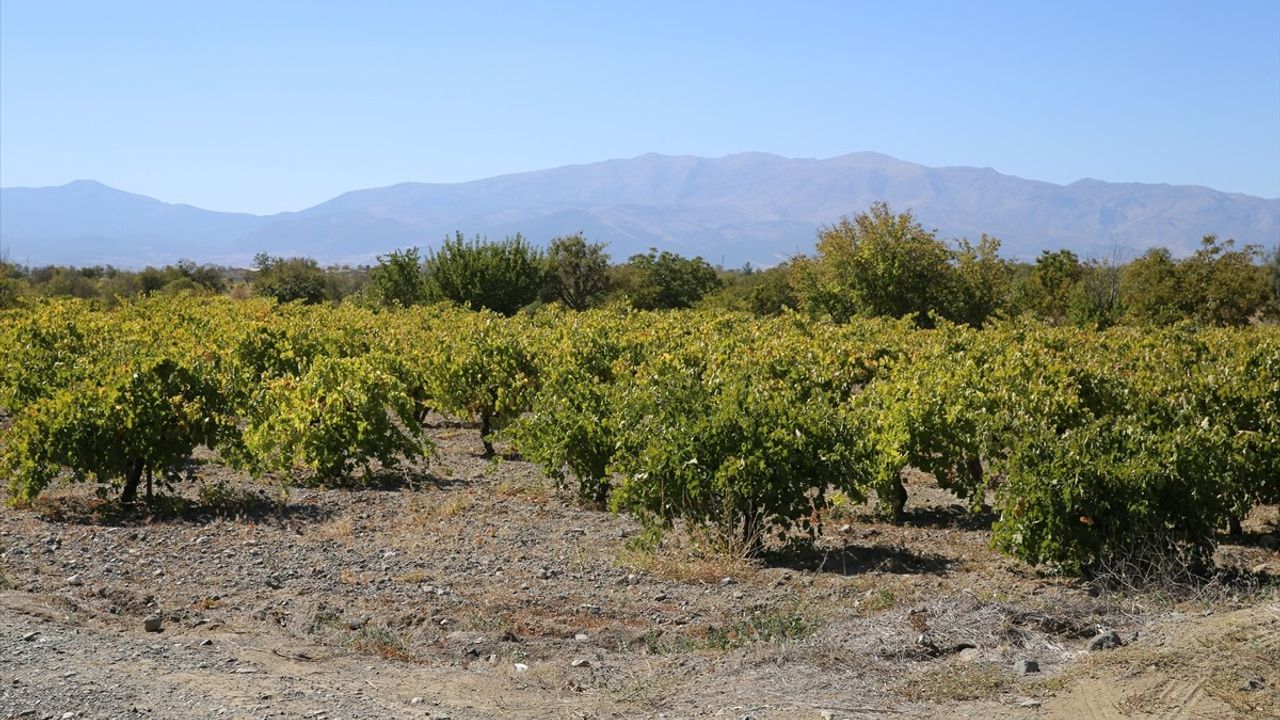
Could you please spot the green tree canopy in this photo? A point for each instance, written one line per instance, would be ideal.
(500, 276)
(1051, 284)
(397, 280)
(577, 271)
(659, 281)
(984, 281)
(1224, 284)
(289, 280)
(1150, 289)
(876, 264)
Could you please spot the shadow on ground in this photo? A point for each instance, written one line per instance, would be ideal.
(853, 559)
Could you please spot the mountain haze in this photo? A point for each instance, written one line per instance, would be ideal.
(751, 207)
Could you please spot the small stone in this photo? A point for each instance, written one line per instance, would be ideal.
(521, 667)
(582, 637)
(246, 671)
(206, 642)
(660, 597)
(416, 701)
(31, 636)
(75, 581)
(581, 663)
(152, 623)
(827, 715)
(1105, 641)
(1026, 667)
(1029, 703)
(728, 581)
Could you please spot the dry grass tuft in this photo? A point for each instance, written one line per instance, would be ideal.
(957, 682)
(383, 642)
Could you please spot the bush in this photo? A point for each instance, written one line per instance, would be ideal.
(142, 416)
(337, 416)
(482, 371)
(739, 441)
(569, 431)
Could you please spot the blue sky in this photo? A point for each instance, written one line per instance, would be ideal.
(271, 105)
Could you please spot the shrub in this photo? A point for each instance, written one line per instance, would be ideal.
(340, 414)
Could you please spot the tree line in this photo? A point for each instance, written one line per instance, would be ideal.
(877, 263)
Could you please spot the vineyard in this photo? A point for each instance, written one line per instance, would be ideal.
(1082, 443)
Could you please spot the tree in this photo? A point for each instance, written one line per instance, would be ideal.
(1051, 284)
(1150, 291)
(288, 280)
(1273, 272)
(500, 276)
(1226, 286)
(876, 264)
(983, 281)
(397, 280)
(577, 271)
(12, 282)
(663, 281)
(1096, 299)
(760, 292)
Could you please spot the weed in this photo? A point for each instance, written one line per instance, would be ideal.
(536, 492)
(647, 541)
(772, 626)
(414, 577)
(323, 620)
(882, 599)
(383, 642)
(957, 683)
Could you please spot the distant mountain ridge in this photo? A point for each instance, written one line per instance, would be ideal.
(750, 207)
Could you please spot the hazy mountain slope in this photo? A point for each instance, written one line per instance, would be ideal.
(87, 222)
(749, 207)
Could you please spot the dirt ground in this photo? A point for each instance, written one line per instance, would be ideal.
(471, 589)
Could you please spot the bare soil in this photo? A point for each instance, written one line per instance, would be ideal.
(469, 588)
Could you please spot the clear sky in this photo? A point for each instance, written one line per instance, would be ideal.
(270, 105)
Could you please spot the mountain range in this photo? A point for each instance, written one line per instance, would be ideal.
(750, 207)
